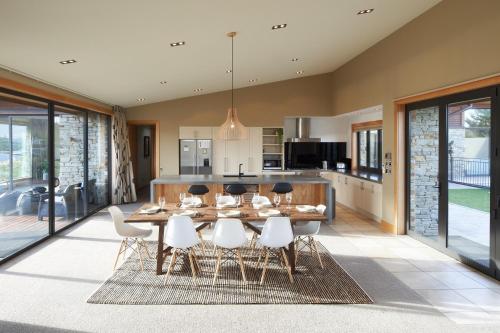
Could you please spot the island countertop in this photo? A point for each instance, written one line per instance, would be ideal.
(259, 179)
(311, 190)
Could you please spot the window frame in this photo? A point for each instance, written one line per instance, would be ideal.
(367, 168)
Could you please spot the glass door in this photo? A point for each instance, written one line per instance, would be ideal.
(451, 152)
(469, 179)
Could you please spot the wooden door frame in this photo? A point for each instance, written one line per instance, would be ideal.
(398, 161)
(156, 151)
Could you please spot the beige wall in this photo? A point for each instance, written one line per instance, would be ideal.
(455, 41)
(263, 105)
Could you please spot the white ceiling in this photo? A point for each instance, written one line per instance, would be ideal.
(123, 51)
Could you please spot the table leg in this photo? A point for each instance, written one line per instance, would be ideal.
(159, 252)
(291, 256)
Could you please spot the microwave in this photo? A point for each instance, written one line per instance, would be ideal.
(271, 164)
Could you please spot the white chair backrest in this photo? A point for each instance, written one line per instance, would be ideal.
(277, 232)
(229, 233)
(261, 200)
(180, 232)
(321, 209)
(123, 229)
(308, 227)
(226, 200)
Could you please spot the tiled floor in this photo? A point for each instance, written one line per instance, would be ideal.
(464, 295)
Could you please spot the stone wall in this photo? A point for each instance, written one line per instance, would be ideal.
(424, 167)
(70, 147)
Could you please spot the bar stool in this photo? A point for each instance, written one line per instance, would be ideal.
(282, 188)
(236, 189)
(198, 190)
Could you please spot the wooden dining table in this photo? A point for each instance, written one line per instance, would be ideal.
(208, 214)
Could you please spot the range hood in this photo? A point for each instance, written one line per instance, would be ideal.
(302, 131)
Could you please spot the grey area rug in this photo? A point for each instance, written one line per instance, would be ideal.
(130, 286)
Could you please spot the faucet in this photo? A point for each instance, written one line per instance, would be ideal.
(239, 170)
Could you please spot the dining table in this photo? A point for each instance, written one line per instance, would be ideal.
(208, 214)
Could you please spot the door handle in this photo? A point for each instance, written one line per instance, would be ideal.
(438, 186)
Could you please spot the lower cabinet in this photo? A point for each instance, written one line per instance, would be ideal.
(360, 195)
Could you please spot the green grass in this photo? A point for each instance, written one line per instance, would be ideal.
(472, 198)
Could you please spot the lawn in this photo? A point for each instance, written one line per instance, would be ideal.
(473, 198)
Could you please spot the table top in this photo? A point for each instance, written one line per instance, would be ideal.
(209, 214)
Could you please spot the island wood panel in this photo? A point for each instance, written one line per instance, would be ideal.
(311, 194)
(171, 192)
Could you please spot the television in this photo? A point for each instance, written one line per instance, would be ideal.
(310, 155)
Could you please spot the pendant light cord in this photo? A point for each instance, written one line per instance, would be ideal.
(232, 72)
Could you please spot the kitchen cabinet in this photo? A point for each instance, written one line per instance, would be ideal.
(358, 194)
(229, 154)
(190, 132)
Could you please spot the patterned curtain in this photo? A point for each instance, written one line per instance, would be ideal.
(123, 175)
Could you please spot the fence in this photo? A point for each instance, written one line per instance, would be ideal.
(469, 171)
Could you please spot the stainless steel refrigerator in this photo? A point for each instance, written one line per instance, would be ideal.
(195, 157)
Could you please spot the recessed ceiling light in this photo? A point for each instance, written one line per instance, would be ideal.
(279, 26)
(198, 90)
(295, 59)
(163, 82)
(366, 11)
(142, 99)
(252, 80)
(300, 72)
(177, 43)
(65, 62)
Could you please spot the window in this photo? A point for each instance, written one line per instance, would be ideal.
(369, 150)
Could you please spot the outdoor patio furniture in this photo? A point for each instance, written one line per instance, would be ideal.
(67, 203)
(8, 201)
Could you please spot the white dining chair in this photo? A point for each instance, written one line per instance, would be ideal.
(276, 235)
(304, 233)
(228, 238)
(130, 236)
(180, 234)
(258, 201)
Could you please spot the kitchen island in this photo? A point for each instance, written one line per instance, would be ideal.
(310, 190)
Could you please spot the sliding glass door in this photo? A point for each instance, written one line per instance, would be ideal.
(54, 168)
(24, 166)
(451, 153)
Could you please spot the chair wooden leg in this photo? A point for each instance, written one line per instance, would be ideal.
(217, 266)
(191, 263)
(196, 264)
(125, 249)
(297, 243)
(288, 268)
(145, 246)
(266, 260)
(242, 266)
(138, 250)
(173, 259)
(309, 241)
(118, 255)
(214, 250)
(317, 252)
(202, 243)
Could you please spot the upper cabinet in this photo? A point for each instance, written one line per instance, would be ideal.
(200, 132)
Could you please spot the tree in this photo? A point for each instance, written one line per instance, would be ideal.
(478, 121)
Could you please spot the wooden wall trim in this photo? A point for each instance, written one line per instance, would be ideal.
(388, 227)
(450, 90)
(27, 89)
(375, 124)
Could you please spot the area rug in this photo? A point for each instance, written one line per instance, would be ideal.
(312, 285)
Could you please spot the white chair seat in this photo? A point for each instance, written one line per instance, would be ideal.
(277, 232)
(180, 232)
(309, 228)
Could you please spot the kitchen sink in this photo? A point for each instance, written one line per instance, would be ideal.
(238, 176)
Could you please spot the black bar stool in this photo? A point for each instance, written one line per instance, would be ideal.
(282, 188)
(198, 189)
(236, 189)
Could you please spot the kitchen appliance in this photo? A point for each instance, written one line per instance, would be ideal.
(195, 157)
(302, 131)
(310, 155)
(272, 163)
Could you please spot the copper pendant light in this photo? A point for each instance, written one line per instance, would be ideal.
(232, 129)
